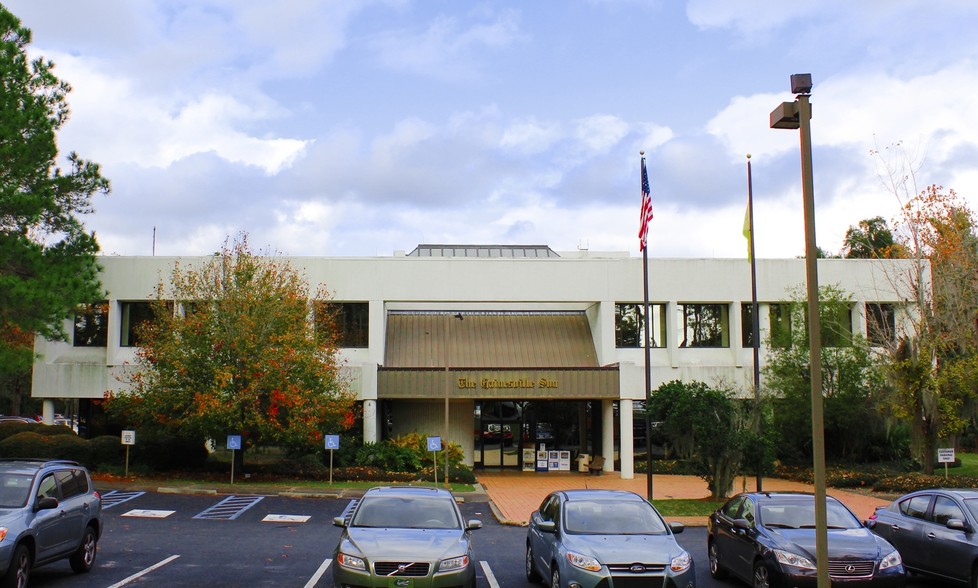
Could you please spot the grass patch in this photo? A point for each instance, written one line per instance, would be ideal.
(969, 465)
(687, 507)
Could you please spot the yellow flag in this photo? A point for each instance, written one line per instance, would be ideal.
(747, 234)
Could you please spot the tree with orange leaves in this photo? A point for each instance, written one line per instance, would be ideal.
(231, 350)
(933, 367)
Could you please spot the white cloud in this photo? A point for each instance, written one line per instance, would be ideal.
(530, 136)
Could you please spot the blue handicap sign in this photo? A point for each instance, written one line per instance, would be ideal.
(234, 441)
(434, 443)
(332, 441)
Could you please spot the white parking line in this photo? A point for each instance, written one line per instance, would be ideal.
(489, 575)
(139, 575)
(319, 574)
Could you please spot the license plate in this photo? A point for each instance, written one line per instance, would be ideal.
(400, 583)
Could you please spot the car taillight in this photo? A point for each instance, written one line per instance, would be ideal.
(97, 495)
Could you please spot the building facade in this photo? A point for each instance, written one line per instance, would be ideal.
(507, 350)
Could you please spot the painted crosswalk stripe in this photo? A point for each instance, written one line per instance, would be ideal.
(230, 508)
(149, 514)
(114, 497)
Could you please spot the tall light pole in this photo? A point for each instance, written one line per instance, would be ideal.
(798, 115)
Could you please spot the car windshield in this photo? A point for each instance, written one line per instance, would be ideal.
(972, 504)
(801, 515)
(406, 513)
(602, 517)
(14, 490)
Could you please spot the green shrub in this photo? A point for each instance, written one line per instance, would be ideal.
(169, 453)
(35, 445)
(916, 481)
(107, 451)
(388, 456)
(9, 428)
(370, 474)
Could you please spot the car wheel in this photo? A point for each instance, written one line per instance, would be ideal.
(762, 577)
(20, 569)
(555, 578)
(716, 570)
(532, 574)
(84, 558)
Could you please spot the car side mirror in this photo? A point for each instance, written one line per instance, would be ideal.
(741, 524)
(547, 526)
(46, 503)
(474, 524)
(957, 525)
(339, 522)
(677, 527)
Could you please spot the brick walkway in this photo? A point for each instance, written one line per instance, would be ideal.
(515, 494)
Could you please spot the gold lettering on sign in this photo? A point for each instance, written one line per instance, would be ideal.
(547, 383)
(465, 383)
(490, 383)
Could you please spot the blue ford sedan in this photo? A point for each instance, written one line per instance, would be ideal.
(597, 538)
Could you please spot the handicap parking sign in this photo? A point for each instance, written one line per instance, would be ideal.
(332, 441)
(434, 443)
(234, 442)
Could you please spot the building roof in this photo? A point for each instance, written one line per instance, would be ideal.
(485, 251)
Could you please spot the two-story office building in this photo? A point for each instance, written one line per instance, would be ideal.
(507, 349)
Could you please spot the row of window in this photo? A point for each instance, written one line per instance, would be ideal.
(708, 325)
(349, 321)
(699, 325)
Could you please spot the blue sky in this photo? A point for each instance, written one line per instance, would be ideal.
(360, 128)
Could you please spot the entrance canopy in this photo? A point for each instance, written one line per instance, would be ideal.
(492, 355)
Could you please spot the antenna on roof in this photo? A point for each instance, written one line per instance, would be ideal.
(583, 245)
(154, 240)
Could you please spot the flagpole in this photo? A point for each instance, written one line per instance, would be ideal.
(647, 338)
(755, 318)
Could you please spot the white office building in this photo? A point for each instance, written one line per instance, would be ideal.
(523, 348)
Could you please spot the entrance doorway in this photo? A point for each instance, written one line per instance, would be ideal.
(505, 428)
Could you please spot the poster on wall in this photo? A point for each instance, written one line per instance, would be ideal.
(529, 460)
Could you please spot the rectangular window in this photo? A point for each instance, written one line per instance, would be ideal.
(134, 315)
(747, 324)
(836, 324)
(630, 325)
(780, 318)
(348, 321)
(880, 324)
(704, 325)
(91, 325)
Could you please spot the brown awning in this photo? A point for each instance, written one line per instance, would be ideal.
(489, 340)
(492, 355)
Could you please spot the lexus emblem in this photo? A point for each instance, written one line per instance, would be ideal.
(850, 568)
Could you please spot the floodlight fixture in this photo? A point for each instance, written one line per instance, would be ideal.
(801, 83)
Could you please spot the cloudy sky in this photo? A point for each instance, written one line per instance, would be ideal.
(365, 127)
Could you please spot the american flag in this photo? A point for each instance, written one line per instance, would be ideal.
(643, 230)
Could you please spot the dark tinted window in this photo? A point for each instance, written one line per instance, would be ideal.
(73, 483)
(946, 509)
(731, 508)
(48, 488)
(91, 325)
(915, 507)
(348, 322)
(550, 509)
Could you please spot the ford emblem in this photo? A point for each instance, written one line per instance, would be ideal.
(637, 568)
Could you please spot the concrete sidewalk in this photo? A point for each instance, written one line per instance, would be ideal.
(514, 495)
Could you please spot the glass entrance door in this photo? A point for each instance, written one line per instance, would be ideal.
(498, 438)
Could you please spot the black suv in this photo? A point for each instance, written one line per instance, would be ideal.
(49, 510)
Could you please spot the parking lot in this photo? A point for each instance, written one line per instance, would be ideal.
(154, 539)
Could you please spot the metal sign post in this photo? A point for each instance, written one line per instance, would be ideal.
(945, 456)
(434, 446)
(332, 443)
(128, 438)
(234, 444)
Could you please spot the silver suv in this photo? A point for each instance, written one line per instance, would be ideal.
(49, 510)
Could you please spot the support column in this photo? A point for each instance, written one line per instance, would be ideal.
(47, 411)
(370, 421)
(627, 442)
(608, 434)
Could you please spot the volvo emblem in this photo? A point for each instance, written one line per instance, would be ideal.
(637, 568)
